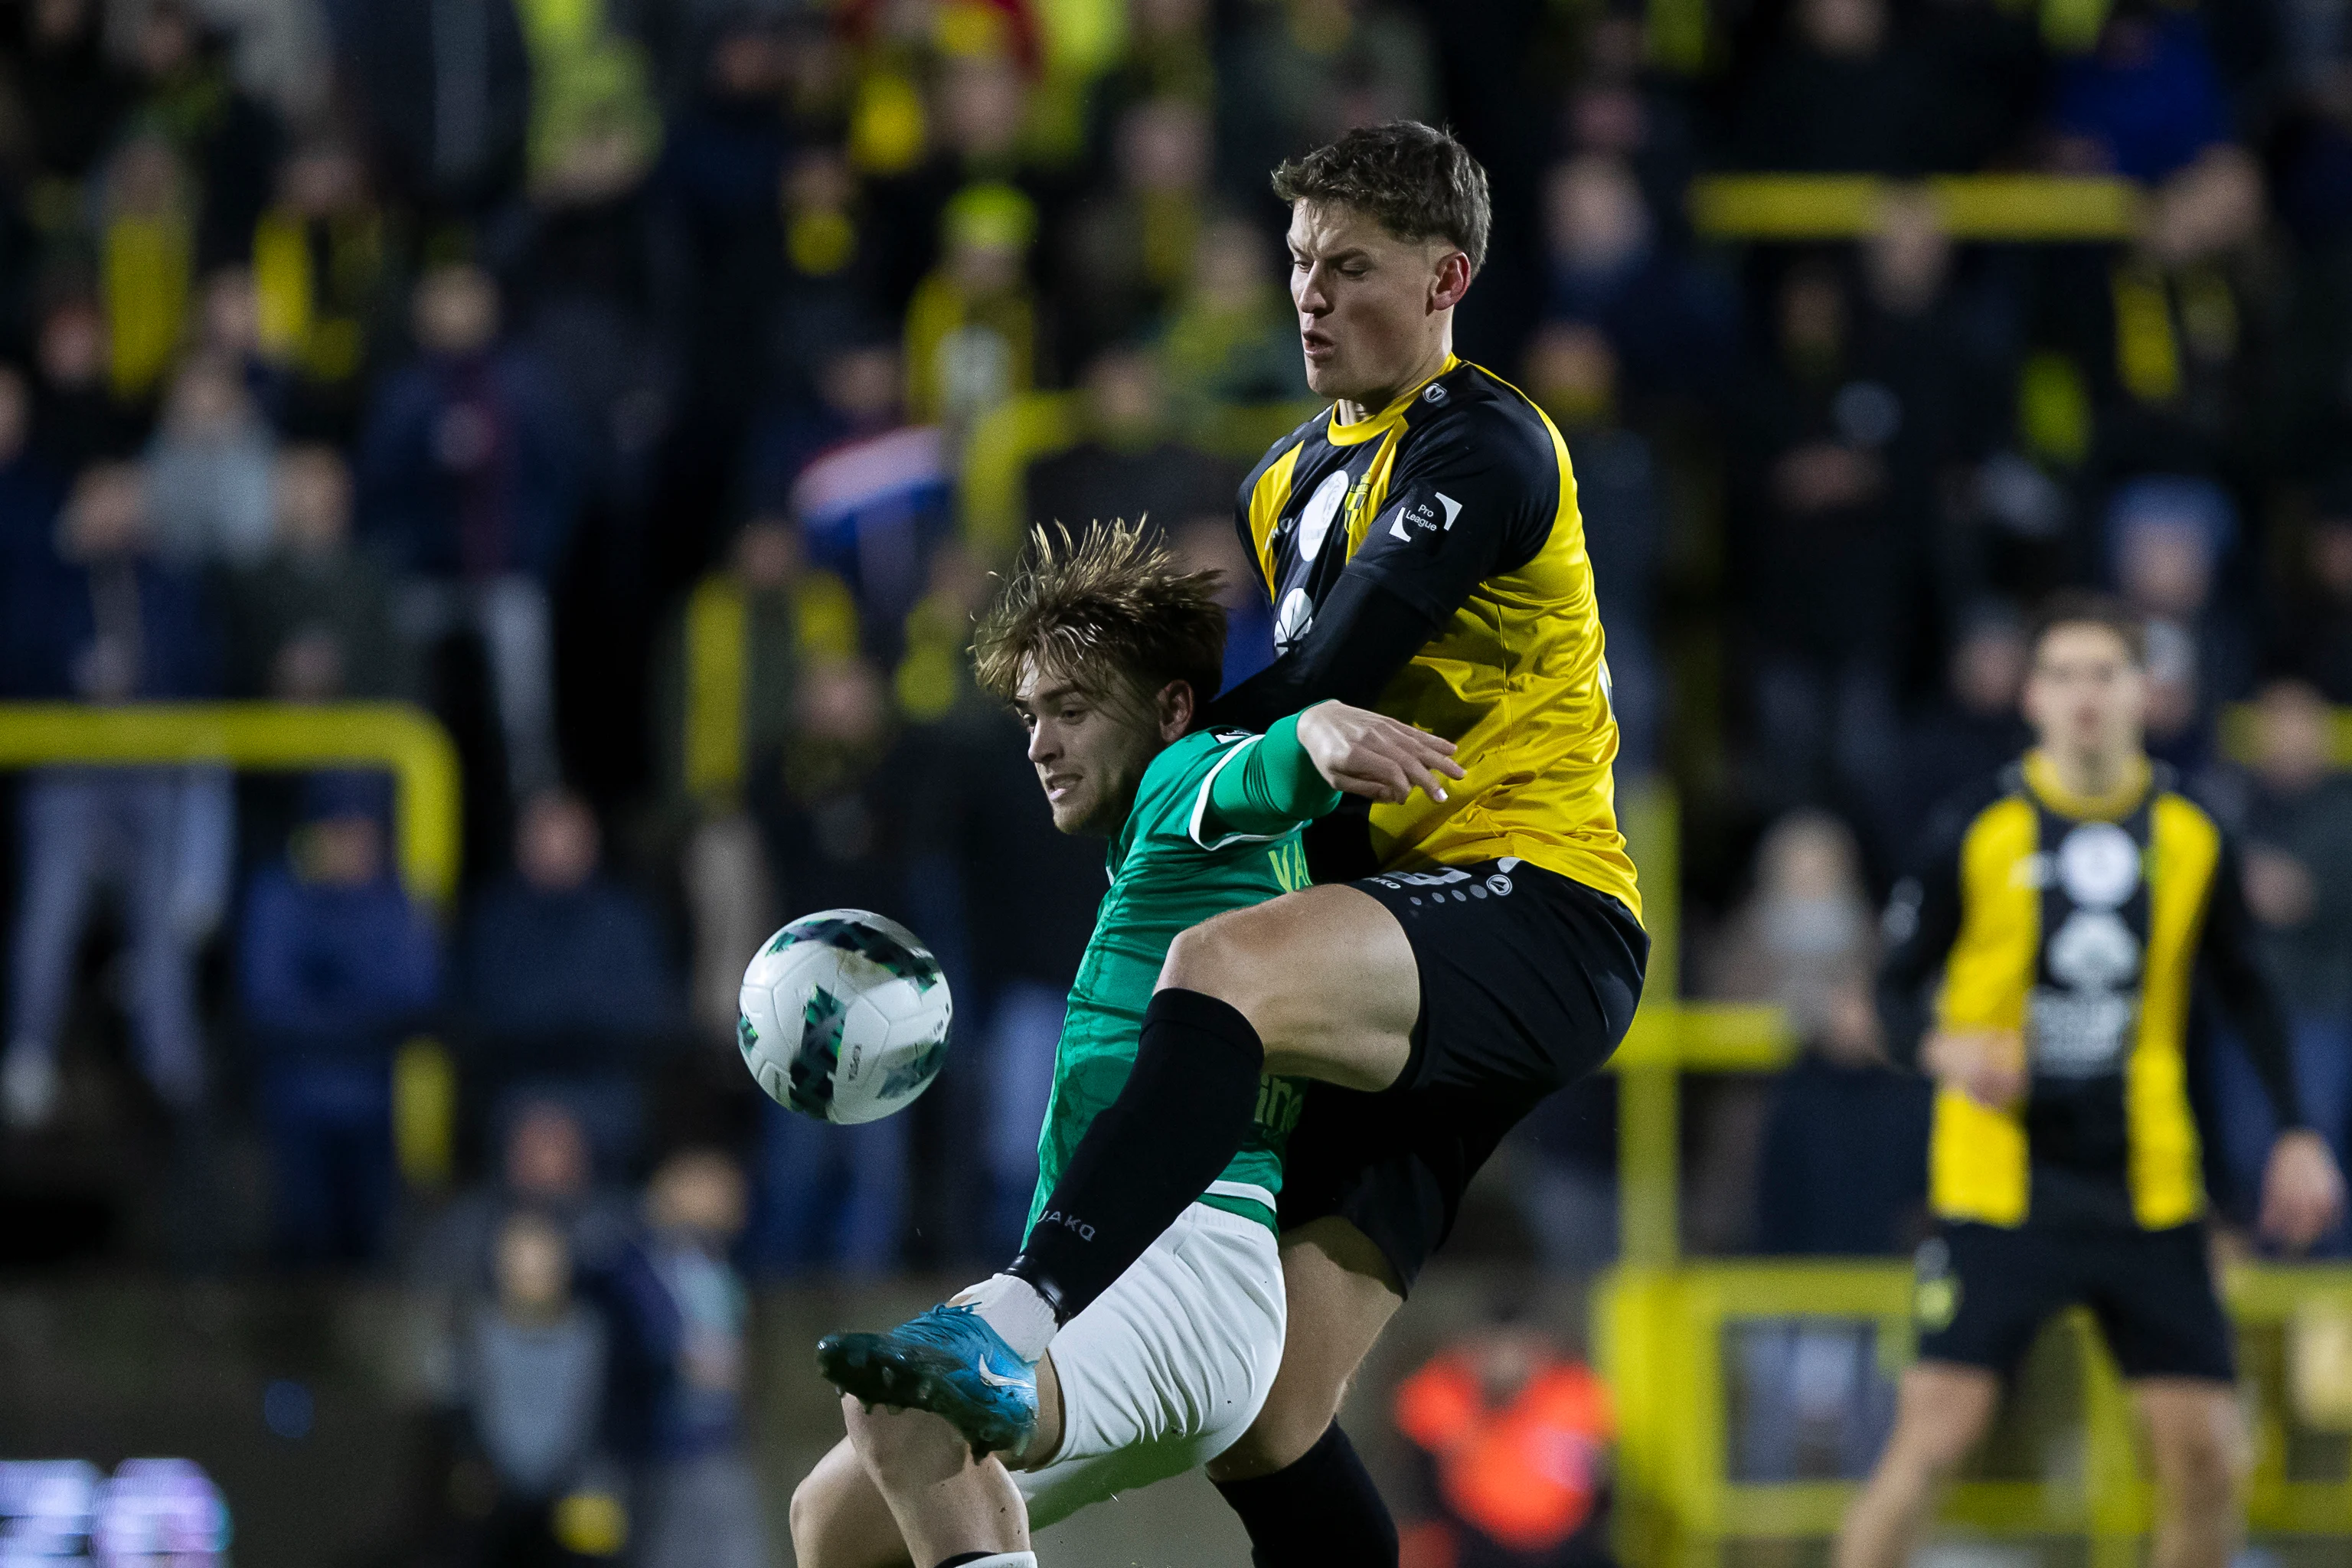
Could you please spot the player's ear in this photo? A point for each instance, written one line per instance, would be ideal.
(1453, 281)
(1175, 705)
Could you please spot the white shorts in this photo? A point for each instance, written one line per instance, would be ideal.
(1167, 1367)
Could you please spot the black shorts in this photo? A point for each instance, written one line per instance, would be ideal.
(1527, 982)
(1984, 1291)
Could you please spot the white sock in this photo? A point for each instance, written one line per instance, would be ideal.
(1003, 1559)
(1011, 1305)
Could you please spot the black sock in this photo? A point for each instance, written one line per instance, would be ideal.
(1183, 1113)
(1320, 1510)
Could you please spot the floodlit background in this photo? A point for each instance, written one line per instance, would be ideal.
(636, 394)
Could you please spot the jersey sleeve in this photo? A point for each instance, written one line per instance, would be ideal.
(1362, 636)
(2228, 959)
(1922, 922)
(1261, 789)
(1472, 499)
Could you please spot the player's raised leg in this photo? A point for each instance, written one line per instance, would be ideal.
(1325, 979)
(1321, 981)
(1942, 1413)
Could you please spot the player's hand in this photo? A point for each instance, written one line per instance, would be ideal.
(1372, 755)
(1986, 1064)
(2302, 1191)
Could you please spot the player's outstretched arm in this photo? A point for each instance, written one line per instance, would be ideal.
(1265, 787)
(1375, 756)
(1298, 769)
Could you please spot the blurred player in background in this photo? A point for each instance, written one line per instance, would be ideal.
(1102, 648)
(2065, 912)
(1471, 948)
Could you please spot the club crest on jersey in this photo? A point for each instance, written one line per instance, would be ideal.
(1351, 516)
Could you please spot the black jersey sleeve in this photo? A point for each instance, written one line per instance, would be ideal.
(1474, 497)
(2228, 961)
(1922, 922)
(1362, 636)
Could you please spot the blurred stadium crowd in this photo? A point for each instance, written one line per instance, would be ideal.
(647, 389)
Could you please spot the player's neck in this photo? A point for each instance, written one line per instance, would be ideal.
(2094, 775)
(1372, 404)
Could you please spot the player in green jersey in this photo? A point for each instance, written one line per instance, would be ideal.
(1106, 648)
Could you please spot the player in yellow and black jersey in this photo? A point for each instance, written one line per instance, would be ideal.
(2043, 962)
(1430, 561)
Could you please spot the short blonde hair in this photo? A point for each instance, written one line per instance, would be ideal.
(1109, 607)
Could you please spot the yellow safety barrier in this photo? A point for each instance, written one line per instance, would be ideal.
(2022, 208)
(1665, 1339)
(403, 740)
(1669, 1037)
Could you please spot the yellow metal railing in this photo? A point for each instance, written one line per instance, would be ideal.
(2022, 208)
(403, 740)
(1663, 1339)
(1669, 1037)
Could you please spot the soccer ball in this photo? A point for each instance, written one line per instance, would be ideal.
(844, 1017)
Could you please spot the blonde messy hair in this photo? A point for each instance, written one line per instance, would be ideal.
(1110, 609)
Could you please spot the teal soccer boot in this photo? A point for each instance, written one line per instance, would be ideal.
(947, 1361)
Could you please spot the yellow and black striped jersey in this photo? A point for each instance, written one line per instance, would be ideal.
(1458, 502)
(2086, 925)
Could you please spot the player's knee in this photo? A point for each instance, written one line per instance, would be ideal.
(1933, 1450)
(1284, 1431)
(2203, 1468)
(1215, 958)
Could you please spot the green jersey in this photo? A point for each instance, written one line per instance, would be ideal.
(1214, 827)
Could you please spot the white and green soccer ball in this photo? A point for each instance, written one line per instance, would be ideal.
(844, 1017)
